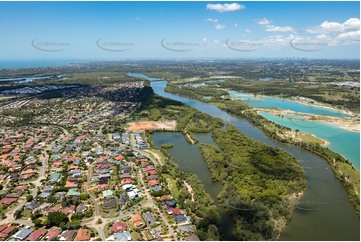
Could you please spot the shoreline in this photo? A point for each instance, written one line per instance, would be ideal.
(304, 102)
(349, 124)
(320, 105)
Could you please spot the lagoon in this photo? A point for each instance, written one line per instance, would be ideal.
(342, 141)
(269, 102)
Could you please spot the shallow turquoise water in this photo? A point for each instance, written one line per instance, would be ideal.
(269, 102)
(344, 142)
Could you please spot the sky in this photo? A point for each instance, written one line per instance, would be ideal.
(151, 30)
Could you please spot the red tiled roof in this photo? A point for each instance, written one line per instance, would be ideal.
(69, 209)
(57, 164)
(21, 187)
(8, 200)
(28, 171)
(53, 233)
(126, 181)
(137, 220)
(153, 182)
(82, 235)
(2, 227)
(5, 233)
(164, 198)
(118, 226)
(152, 172)
(36, 235)
(71, 167)
(56, 208)
(176, 211)
(149, 168)
(70, 184)
(119, 157)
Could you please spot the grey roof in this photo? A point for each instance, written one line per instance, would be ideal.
(180, 218)
(60, 195)
(81, 208)
(124, 236)
(110, 203)
(48, 188)
(149, 218)
(68, 235)
(157, 188)
(34, 204)
(188, 228)
(151, 177)
(45, 194)
(125, 175)
(23, 233)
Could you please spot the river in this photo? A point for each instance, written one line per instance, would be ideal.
(324, 212)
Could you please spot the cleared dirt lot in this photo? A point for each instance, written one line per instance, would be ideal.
(151, 125)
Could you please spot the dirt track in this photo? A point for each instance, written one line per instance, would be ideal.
(151, 125)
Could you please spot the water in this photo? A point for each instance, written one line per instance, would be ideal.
(269, 102)
(334, 217)
(265, 79)
(138, 75)
(25, 79)
(192, 162)
(336, 136)
(214, 81)
(32, 63)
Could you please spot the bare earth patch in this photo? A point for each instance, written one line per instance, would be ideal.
(152, 125)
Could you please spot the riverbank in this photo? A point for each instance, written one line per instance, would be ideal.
(350, 123)
(311, 102)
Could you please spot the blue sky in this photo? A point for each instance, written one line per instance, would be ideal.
(118, 30)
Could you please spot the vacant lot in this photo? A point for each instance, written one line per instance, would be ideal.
(152, 125)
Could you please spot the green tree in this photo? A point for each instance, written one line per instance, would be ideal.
(56, 218)
(29, 198)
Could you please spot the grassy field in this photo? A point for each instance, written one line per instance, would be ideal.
(172, 185)
(352, 175)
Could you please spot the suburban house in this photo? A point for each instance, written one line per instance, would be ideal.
(118, 226)
(137, 220)
(149, 218)
(124, 236)
(23, 233)
(82, 235)
(36, 235)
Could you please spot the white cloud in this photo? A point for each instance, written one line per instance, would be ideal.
(335, 27)
(219, 26)
(322, 36)
(266, 24)
(227, 7)
(351, 35)
(277, 40)
(212, 20)
(247, 30)
(236, 25)
(272, 28)
(352, 23)
(263, 21)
